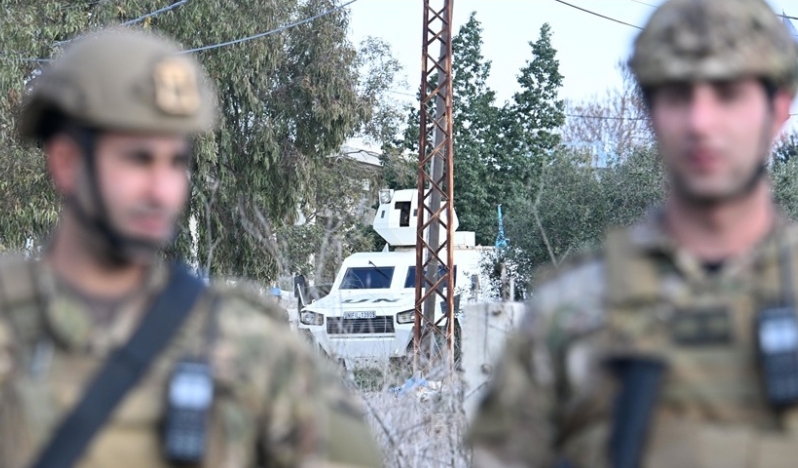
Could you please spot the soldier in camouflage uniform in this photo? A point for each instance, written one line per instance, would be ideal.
(115, 115)
(685, 287)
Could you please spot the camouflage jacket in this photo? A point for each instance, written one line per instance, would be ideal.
(275, 403)
(551, 397)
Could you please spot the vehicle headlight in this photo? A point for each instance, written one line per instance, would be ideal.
(311, 318)
(408, 316)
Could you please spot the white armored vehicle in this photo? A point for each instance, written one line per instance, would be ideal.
(368, 317)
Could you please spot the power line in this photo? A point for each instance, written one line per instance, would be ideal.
(598, 14)
(72, 6)
(236, 41)
(156, 12)
(782, 15)
(641, 3)
(600, 117)
(140, 18)
(402, 93)
(273, 31)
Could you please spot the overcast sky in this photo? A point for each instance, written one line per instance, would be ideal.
(588, 47)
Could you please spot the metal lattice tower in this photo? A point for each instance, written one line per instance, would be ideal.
(434, 241)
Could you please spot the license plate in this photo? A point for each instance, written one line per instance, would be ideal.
(370, 314)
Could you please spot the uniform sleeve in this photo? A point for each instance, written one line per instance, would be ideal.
(514, 425)
(304, 415)
(12, 444)
(313, 420)
(548, 397)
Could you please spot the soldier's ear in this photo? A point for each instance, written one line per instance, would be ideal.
(782, 100)
(64, 160)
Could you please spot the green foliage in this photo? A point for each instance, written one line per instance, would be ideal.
(399, 168)
(785, 186)
(288, 102)
(498, 150)
(536, 112)
(379, 71)
(786, 148)
(516, 141)
(476, 136)
(632, 185)
(574, 205)
(577, 202)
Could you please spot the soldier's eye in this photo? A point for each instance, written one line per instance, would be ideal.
(728, 91)
(674, 94)
(139, 157)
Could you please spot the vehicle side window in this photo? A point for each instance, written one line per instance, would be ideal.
(410, 279)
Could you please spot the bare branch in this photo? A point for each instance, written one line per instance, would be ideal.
(385, 429)
(615, 123)
(537, 217)
(329, 230)
(209, 205)
(265, 242)
(265, 224)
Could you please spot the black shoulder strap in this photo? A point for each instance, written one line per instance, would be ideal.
(123, 368)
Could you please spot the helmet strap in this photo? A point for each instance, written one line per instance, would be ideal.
(115, 247)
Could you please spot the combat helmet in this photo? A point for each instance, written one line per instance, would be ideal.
(693, 40)
(122, 79)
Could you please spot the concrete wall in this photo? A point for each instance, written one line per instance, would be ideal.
(484, 330)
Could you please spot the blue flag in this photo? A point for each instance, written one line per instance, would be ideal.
(501, 241)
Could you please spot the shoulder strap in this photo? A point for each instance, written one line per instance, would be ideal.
(122, 370)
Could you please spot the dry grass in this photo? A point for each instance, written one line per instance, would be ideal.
(422, 428)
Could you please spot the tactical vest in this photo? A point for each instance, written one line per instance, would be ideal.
(712, 410)
(32, 397)
(29, 405)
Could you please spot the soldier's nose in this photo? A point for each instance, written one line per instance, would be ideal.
(702, 110)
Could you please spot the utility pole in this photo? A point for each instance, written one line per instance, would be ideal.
(434, 256)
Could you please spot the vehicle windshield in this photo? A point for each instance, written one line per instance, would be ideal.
(372, 277)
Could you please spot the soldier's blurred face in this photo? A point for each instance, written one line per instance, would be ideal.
(714, 136)
(143, 181)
